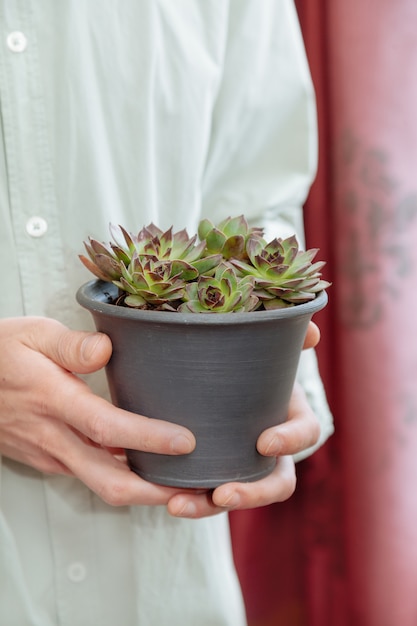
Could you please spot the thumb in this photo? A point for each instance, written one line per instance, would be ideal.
(76, 351)
(312, 337)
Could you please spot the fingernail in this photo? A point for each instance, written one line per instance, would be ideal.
(89, 345)
(273, 447)
(231, 501)
(181, 444)
(189, 509)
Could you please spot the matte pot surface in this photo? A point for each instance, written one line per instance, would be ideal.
(226, 377)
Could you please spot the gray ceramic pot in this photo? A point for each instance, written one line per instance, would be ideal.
(226, 377)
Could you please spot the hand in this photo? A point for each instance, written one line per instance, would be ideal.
(300, 431)
(51, 420)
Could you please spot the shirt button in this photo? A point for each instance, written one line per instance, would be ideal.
(76, 572)
(36, 226)
(16, 41)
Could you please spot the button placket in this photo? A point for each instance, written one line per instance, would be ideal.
(31, 177)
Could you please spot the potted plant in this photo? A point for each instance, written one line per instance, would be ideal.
(207, 332)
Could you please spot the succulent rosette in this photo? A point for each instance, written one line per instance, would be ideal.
(228, 238)
(222, 293)
(150, 283)
(284, 275)
(152, 267)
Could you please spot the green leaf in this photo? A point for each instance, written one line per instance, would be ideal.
(190, 292)
(109, 266)
(166, 239)
(124, 285)
(192, 306)
(234, 226)
(122, 237)
(215, 240)
(135, 301)
(121, 254)
(243, 267)
(207, 264)
(92, 267)
(254, 246)
(234, 247)
(100, 248)
(187, 271)
(276, 303)
(204, 227)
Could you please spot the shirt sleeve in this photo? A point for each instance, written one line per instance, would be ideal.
(262, 154)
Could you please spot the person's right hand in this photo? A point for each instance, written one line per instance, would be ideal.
(52, 421)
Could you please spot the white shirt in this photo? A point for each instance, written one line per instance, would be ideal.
(132, 112)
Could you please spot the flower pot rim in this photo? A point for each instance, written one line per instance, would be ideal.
(96, 295)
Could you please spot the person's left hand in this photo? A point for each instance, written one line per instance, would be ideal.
(300, 431)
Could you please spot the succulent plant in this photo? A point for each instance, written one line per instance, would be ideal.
(230, 268)
(150, 283)
(222, 293)
(284, 275)
(148, 266)
(228, 238)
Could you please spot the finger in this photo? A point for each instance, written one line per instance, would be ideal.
(112, 427)
(299, 432)
(109, 477)
(76, 351)
(193, 505)
(113, 481)
(277, 487)
(312, 337)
